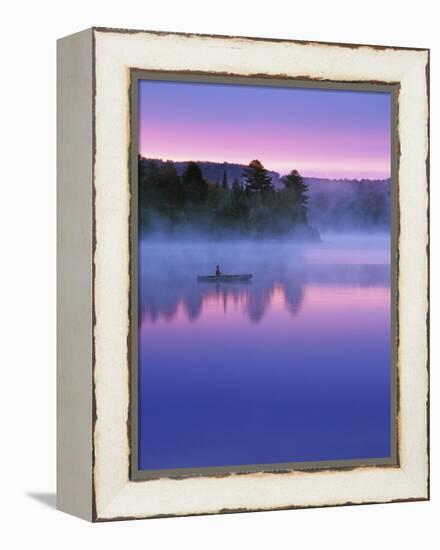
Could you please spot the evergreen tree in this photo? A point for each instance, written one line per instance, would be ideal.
(238, 203)
(257, 178)
(196, 188)
(236, 187)
(167, 200)
(294, 182)
(148, 179)
(171, 189)
(224, 180)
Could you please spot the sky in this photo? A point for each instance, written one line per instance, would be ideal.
(321, 133)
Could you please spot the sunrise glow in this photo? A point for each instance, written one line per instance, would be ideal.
(323, 133)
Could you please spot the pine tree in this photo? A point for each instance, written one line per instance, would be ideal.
(147, 191)
(295, 184)
(196, 188)
(236, 187)
(171, 187)
(257, 178)
(235, 209)
(224, 181)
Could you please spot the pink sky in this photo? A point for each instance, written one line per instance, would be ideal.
(325, 133)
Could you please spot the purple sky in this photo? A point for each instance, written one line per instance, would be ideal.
(325, 133)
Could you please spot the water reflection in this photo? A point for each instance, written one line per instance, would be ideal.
(168, 283)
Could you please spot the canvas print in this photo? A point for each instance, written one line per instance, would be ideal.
(264, 276)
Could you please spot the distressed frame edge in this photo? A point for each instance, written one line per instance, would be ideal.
(428, 280)
(305, 42)
(410, 499)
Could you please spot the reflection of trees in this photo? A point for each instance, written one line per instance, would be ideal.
(165, 291)
(258, 303)
(294, 297)
(193, 305)
(162, 298)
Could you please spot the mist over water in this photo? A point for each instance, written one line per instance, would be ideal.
(169, 269)
(292, 366)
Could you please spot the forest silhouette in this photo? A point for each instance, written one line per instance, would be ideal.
(170, 202)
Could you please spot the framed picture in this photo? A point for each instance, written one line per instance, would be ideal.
(243, 274)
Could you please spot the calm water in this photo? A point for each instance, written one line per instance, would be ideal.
(294, 366)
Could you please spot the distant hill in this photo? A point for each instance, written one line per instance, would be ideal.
(213, 171)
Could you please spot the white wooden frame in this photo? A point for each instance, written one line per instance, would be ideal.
(94, 274)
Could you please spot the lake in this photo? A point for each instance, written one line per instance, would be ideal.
(293, 366)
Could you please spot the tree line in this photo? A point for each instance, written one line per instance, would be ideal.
(173, 202)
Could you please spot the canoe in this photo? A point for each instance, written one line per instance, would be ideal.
(225, 278)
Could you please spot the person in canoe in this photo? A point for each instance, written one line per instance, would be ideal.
(217, 271)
